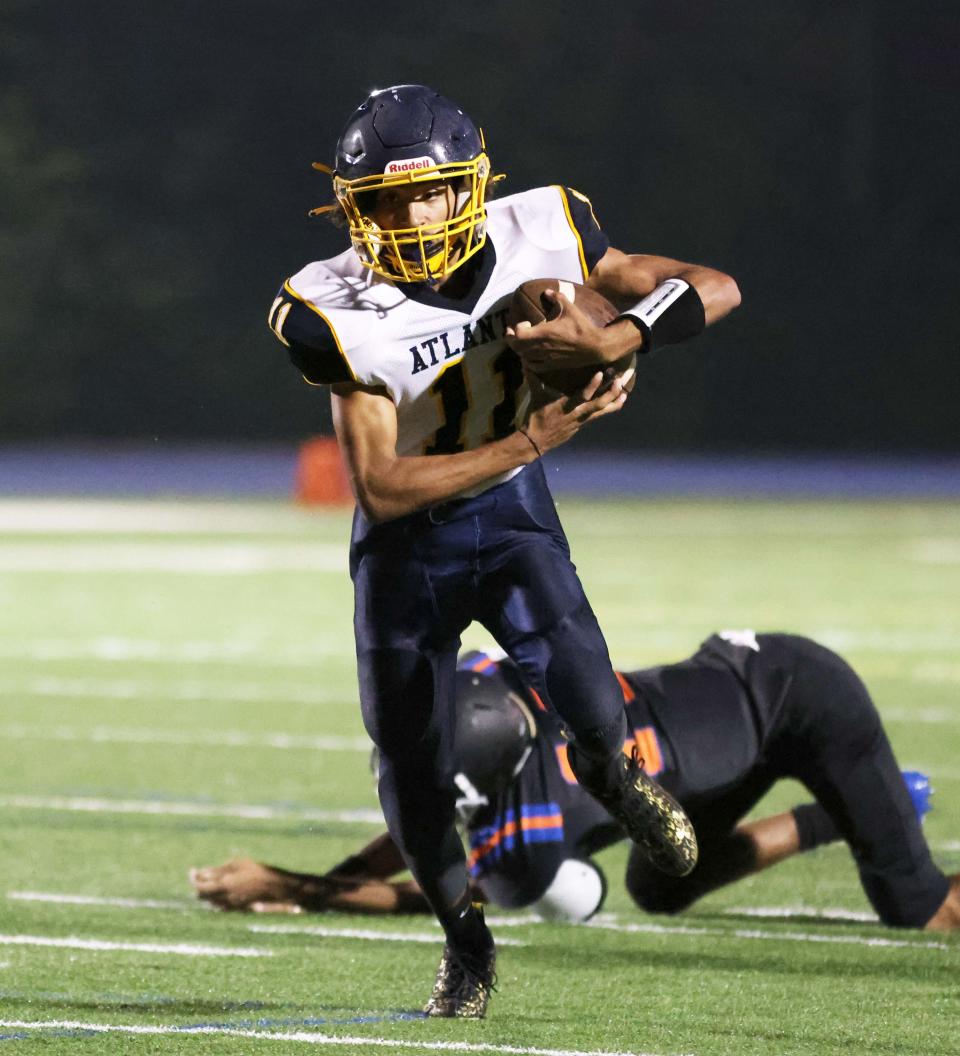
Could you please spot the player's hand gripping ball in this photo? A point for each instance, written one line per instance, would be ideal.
(530, 305)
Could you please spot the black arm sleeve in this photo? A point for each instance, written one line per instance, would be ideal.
(592, 239)
(310, 340)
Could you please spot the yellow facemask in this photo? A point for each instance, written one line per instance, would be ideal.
(419, 254)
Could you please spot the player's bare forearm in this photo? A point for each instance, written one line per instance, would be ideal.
(244, 885)
(379, 860)
(343, 895)
(626, 278)
(387, 485)
(375, 897)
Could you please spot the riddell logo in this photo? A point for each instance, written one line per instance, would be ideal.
(411, 165)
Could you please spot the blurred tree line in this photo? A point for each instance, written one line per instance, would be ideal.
(155, 175)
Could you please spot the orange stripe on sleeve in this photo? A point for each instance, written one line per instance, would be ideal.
(536, 698)
(628, 693)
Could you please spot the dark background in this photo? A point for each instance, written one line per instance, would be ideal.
(155, 175)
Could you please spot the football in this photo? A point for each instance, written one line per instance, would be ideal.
(530, 305)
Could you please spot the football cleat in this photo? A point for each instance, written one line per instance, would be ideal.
(653, 819)
(464, 984)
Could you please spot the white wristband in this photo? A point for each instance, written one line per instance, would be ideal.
(649, 310)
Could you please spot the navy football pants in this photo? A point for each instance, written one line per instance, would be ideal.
(500, 559)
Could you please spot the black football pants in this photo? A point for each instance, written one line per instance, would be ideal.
(819, 726)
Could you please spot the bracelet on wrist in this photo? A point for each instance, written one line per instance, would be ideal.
(531, 441)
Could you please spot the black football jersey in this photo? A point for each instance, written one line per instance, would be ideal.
(695, 725)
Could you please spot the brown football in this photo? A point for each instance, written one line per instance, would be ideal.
(530, 305)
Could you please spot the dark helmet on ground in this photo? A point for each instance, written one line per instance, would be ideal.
(411, 134)
(495, 730)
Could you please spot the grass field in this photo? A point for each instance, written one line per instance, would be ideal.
(178, 687)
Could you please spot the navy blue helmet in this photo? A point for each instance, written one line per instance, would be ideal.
(411, 134)
(407, 125)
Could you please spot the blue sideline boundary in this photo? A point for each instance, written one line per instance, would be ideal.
(268, 472)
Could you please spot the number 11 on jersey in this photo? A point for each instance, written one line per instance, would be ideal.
(459, 410)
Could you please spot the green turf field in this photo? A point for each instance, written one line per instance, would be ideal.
(178, 687)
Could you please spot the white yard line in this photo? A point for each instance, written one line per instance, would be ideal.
(204, 738)
(775, 936)
(112, 902)
(937, 671)
(789, 912)
(935, 551)
(603, 922)
(119, 902)
(116, 649)
(200, 558)
(306, 1037)
(107, 517)
(371, 934)
(180, 949)
(248, 811)
(923, 716)
(136, 689)
(886, 641)
(520, 920)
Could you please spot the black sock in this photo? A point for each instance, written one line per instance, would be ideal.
(464, 926)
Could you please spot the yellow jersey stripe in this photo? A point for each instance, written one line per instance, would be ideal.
(573, 228)
(314, 308)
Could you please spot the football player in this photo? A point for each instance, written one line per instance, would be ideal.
(454, 520)
(717, 730)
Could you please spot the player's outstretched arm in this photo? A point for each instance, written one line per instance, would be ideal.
(359, 884)
(245, 886)
(387, 485)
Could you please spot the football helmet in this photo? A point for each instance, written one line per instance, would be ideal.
(494, 734)
(403, 135)
(493, 737)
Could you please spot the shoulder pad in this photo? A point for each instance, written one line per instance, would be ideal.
(313, 344)
(553, 218)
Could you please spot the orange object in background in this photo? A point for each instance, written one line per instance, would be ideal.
(321, 475)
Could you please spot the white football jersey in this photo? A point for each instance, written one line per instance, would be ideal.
(443, 362)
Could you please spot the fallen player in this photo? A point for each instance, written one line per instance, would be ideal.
(717, 731)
